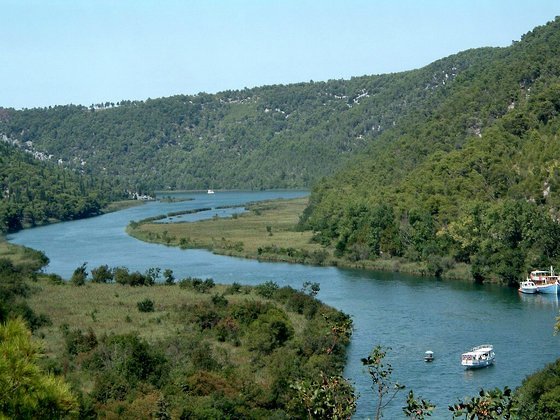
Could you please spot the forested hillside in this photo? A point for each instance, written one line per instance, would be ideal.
(473, 179)
(36, 192)
(267, 137)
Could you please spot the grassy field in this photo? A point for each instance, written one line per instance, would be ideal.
(112, 309)
(267, 231)
(22, 256)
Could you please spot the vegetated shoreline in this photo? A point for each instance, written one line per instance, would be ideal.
(220, 340)
(267, 231)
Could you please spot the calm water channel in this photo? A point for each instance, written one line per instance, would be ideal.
(407, 313)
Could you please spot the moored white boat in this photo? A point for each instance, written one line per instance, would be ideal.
(210, 191)
(540, 281)
(528, 286)
(478, 357)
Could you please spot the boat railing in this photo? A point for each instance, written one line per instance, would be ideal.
(483, 346)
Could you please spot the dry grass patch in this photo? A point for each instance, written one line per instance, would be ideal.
(266, 226)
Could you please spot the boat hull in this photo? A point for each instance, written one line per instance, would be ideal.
(479, 364)
(528, 289)
(549, 288)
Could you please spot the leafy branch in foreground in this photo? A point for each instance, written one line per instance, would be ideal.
(417, 409)
(330, 398)
(380, 373)
(493, 404)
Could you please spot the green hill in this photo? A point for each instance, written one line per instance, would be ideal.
(453, 163)
(266, 137)
(473, 179)
(35, 192)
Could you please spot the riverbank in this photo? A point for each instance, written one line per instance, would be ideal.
(212, 352)
(268, 231)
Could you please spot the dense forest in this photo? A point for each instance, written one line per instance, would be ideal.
(454, 163)
(281, 136)
(35, 192)
(473, 179)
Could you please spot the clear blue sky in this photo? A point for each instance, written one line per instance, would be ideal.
(89, 51)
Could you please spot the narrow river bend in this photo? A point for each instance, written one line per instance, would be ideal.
(406, 313)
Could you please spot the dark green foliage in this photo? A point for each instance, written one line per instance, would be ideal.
(79, 276)
(36, 192)
(239, 359)
(269, 331)
(473, 178)
(152, 274)
(326, 398)
(538, 396)
(14, 288)
(201, 286)
(124, 277)
(79, 342)
(266, 289)
(126, 360)
(102, 274)
(233, 289)
(146, 305)
(168, 276)
(219, 300)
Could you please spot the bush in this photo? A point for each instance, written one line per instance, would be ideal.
(101, 274)
(78, 342)
(219, 301)
(79, 276)
(233, 289)
(267, 289)
(146, 305)
(270, 331)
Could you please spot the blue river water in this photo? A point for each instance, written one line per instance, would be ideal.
(408, 314)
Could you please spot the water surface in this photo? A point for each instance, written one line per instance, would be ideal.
(406, 313)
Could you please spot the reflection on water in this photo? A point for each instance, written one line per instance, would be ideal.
(540, 299)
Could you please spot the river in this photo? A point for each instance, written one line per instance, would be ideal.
(406, 313)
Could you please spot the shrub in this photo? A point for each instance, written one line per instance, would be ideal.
(266, 289)
(78, 342)
(101, 274)
(79, 276)
(270, 331)
(219, 301)
(233, 289)
(146, 305)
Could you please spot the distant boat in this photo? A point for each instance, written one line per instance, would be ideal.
(429, 356)
(540, 281)
(210, 191)
(478, 357)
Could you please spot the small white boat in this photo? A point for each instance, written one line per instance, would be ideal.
(540, 281)
(210, 191)
(528, 286)
(478, 357)
(429, 356)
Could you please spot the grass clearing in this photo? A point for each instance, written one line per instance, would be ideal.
(267, 231)
(112, 309)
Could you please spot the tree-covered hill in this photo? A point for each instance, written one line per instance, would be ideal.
(36, 192)
(472, 179)
(267, 137)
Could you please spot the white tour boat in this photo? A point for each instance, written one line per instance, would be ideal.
(479, 356)
(210, 191)
(540, 281)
